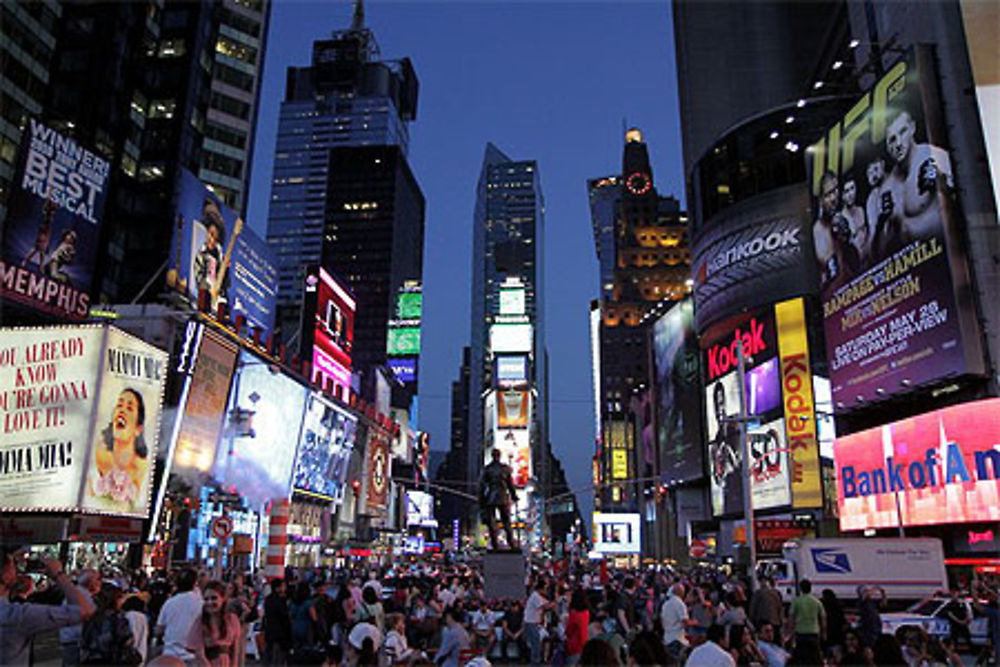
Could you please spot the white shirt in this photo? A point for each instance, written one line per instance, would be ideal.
(446, 597)
(710, 654)
(177, 616)
(139, 626)
(533, 608)
(673, 615)
(776, 656)
(482, 620)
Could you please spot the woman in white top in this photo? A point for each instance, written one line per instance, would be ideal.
(134, 609)
(396, 647)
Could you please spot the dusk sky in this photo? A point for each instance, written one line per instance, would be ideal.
(552, 82)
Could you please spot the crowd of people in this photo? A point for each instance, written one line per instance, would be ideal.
(426, 612)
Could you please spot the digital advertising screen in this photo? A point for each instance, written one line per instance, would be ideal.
(257, 456)
(763, 388)
(511, 338)
(332, 330)
(513, 409)
(410, 304)
(419, 509)
(515, 451)
(512, 301)
(403, 341)
(617, 533)
(887, 244)
(677, 390)
(50, 236)
(378, 469)
(214, 250)
(512, 371)
(79, 419)
(205, 410)
(325, 448)
(942, 467)
(725, 460)
(403, 369)
(770, 485)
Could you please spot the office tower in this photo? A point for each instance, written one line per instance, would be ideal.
(373, 239)
(508, 388)
(348, 96)
(642, 245)
(27, 41)
(453, 472)
(179, 85)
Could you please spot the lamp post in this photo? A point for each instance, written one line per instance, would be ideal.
(745, 456)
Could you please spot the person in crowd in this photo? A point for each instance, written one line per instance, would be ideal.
(869, 618)
(674, 622)
(454, 640)
(277, 625)
(808, 620)
(599, 653)
(512, 643)
(577, 622)
(766, 605)
(370, 610)
(482, 627)
(743, 647)
(215, 638)
(770, 647)
(134, 609)
(734, 613)
(21, 622)
(178, 614)
(534, 608)
(397, 649)
(304, 618)
(855, 652)
(647, 649)
(625, 608)
(887, 651)
(836, 623)
(713, 652)
(89, 582)
(701, 612)
(362, 645)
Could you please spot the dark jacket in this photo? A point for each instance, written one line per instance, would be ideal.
(277, 621)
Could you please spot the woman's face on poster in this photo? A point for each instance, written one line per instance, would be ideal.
(125, 420)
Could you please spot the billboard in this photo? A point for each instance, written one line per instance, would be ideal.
(403, 338)
(512, 300)
(515, 451)
(677, 406)
(330, 307)
(378, 470)
(751, 254)
(80, 412)
(403, 341)
(942, 467)
(324, 450)
(513, 409)
(403, 369)
(617, 533)
(201, 424)
(511, 338)
(893, 273)
(54, 214)
(257, 455)
(216, 252)
(512, 371)
(419, 509)
(768, 465)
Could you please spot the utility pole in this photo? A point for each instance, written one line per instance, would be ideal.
(745, 457)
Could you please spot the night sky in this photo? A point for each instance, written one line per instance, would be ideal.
(552, 82)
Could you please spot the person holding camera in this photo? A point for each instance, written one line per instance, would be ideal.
(20, 623)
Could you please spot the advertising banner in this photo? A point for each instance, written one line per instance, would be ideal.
(800, 413)
(677, 403)
(618, 440)
(79, 419)
(515, 451)
(751, 254)
(328, 329)
(201, 424)
(217, 252)
(54, 214)
(510, 338)
(887, 246)
(616, 533)
(403, 341)
(513, 409)
(257, 455)
(512, 371)
(769, 480)
(942, 467)
(403, 369)
(378, 472)
(419, 509)
(324, 450)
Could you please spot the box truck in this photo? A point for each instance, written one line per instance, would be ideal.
(905, 568)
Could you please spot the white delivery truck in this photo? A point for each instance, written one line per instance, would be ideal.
(905, 568)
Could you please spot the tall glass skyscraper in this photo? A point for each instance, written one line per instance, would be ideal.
(348, 96)
(508, 387)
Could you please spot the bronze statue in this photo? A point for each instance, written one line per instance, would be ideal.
(497, 492)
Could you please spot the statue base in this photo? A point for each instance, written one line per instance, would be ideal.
(503, 575)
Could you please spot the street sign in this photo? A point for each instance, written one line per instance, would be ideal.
(222, 527)
(698, 549)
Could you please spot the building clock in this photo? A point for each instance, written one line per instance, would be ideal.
(638, 183)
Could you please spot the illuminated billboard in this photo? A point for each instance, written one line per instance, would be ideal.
(328, 328)
(894, 282)
(419, 509)
(511, 371)
(80, 410)
(942, 467)
(403, 341)
(257, 456)
(512, 301)
(324, 450)
(617, 533)
(377, 470)
(768, 463)
(403, 369)
(513, 409)
(216, 252)
(409, 305)
(515, 451)
(677, 387)
(511, 338)
(403, 338)
(50, 236)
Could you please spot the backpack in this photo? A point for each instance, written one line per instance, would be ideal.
(107, 639)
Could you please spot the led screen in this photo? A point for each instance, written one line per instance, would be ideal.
(769, 481)
(510, 338)
(617, 533)
(409, 305)
(403, 341)
(512, 301)
(512, 370)
(763, 388)
(725, 460)
(324, 449)
(404, 369)
(513, 409)
(942, 467)
(257, 456)
(419, 508)
(333, 330)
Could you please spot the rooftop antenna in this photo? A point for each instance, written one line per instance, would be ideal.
(358, 20)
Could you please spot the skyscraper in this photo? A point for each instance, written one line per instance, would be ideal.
(508, 388)
(348, 96)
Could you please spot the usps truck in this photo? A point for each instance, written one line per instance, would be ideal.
(905, 568)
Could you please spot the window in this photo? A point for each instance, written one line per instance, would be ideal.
(171, 48)
(162, 109)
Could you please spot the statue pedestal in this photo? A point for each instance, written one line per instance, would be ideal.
(503, 575)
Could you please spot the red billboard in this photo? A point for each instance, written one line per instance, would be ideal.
(331, 331)
(942, 467)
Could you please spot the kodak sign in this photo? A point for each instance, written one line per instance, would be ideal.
(800, 416)
(757, 338)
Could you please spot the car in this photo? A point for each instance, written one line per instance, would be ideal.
(932, 614)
